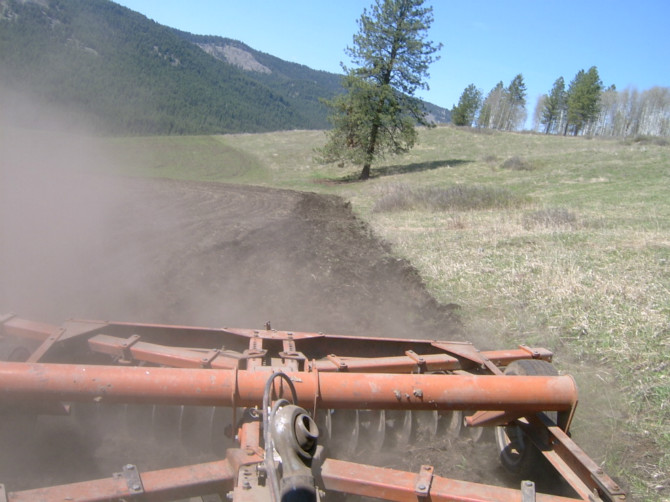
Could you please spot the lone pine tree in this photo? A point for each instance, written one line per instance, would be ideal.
(378, 112)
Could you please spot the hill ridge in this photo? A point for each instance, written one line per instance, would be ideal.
(127, 74)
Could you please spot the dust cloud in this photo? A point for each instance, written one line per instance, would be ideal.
(77, 240)
(56, 209)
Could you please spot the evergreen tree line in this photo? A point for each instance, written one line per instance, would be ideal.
(583, 107)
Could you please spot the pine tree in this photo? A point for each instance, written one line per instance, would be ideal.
(583, 100)
(555, 107)
(378, 113)
(469, 103)
(516, 106)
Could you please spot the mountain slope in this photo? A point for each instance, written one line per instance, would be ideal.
(301, 86)
(128, 74)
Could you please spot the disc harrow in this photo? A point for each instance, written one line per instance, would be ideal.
(279, 415)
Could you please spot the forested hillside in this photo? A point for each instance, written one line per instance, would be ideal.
(128, 74)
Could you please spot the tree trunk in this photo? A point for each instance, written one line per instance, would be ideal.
(365, 173)
(370, 153)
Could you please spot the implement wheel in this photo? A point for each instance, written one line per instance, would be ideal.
(518, 454)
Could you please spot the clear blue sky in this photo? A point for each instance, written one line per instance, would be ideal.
(485, 41)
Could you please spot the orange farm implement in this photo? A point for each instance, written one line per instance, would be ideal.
(288, 415)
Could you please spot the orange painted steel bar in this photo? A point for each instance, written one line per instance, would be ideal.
(391, 484)
(63, 382)
(219, 477)
(161, 354)
(406, 364)
(15, 326)
(167, 484)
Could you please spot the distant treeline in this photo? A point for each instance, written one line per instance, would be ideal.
(619, 113)
(584, 107)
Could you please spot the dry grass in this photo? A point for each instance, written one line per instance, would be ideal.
(517, 163)
(402, 197)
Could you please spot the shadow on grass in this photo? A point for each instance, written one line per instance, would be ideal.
(378, 172)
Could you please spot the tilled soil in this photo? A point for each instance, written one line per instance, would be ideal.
(212, 255)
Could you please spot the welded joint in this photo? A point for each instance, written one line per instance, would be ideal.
(423, 482)
(527, 491)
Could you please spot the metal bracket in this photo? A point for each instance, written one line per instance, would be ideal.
(208, 357)
(45, 346)
(133, 479)
(423, 482)
(339, 363)
(290, 352)
(469, 352)
(127, 344)
(419, 360)
(543, 354)
(527, 491)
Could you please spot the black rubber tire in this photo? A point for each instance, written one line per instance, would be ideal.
(517, 453)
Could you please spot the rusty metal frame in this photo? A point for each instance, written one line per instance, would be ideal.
(157, 364)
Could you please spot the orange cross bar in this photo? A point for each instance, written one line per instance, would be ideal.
(64, 382)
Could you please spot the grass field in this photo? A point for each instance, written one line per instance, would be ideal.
(560, 242)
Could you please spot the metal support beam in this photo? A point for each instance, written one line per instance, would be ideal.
(64, 382)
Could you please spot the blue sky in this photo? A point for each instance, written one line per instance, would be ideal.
(485, 41)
